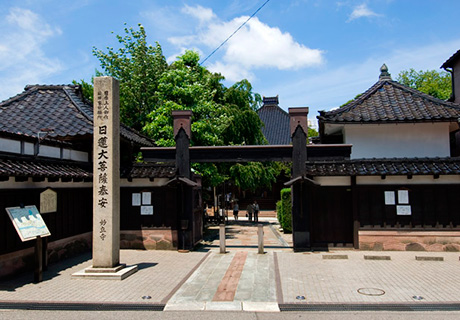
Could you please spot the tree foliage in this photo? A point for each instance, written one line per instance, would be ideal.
(150, 90)
(86, 89)
(432, 82)
(138, 66)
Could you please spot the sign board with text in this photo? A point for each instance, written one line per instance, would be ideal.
(28, 222)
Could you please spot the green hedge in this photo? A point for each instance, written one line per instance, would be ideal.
(283, 210)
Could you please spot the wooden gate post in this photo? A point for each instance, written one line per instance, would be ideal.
(300, 215)
(182, 134)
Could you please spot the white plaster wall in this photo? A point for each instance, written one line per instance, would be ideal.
(333, 181)
(8, 145)
(47, 151)
(78, 155)
(66, 154)
(376, 180)
(398, 140)
(157, 182)
(29, 148)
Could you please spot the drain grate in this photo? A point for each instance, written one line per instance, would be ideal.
(81, 306)
(371, 307)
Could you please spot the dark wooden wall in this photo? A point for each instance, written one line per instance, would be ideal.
(331, 215)
(74, 215)
(435, 206)
(331, 210)
(164, 209)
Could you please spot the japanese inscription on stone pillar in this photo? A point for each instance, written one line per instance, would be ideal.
(106, 173)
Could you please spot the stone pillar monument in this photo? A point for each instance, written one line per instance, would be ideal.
(106, 173)
(106, 182)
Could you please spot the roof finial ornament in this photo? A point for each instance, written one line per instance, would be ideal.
(384, 75)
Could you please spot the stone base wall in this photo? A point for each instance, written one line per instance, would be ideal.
(149, 239)
(385, 240)
(23, 260)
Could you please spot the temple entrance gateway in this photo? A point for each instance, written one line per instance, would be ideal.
(297, 153)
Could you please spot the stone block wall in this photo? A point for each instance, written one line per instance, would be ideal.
(149, 239)
(386, 240)
(23, 260)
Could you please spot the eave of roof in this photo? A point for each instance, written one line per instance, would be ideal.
(388, 101)
(67, 170)
(59, 107)
(148, 170)
(33, 167)
(385, 167)
(451, 61)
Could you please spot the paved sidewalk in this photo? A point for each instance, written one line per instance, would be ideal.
(403, 279)
(242, 279)
(160, 273)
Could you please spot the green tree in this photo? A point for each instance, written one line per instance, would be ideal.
(221, 116)
(150, 90)
(432, 82)
(138, 66)
(86, 89)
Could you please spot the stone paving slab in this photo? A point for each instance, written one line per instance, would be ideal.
(398, 280)
(160, 274)
(242, 235)
(256, 283)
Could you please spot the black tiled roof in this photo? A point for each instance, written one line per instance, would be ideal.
(276, 121)
(388, 101)
(42, 168)
(387, 166)
(22, 166)
(451, 61)
(149, 170)
(58, 107)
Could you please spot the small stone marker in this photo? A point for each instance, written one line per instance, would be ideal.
(260, 236)
(335, 256)
(222, 238)
(377, 257)
(428, 258)
(48, 201)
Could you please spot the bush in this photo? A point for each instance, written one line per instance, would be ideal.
(283, 210)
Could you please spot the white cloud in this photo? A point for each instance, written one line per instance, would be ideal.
(199, 12)
(232, 71)
(256, 45)
(362, 11)
(22, 60)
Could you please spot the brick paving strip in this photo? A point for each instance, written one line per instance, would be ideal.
(227, 288)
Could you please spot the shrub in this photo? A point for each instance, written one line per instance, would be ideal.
(283, 210)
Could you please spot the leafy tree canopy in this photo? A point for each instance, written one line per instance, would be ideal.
(432, 82)
(150, 90)
(138, 66)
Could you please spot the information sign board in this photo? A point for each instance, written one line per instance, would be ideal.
(28, 222)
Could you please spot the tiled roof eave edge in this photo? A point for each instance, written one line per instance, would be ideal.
(448, 63)
(323, 120)
(76, 104)
(18, 96)
(425, 96)
(358, 100)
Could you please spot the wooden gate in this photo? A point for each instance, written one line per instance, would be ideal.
(331, 216)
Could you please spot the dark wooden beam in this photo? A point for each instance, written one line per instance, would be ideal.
(301, 229)
(248, 153)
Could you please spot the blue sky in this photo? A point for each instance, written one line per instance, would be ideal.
(311, 53)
